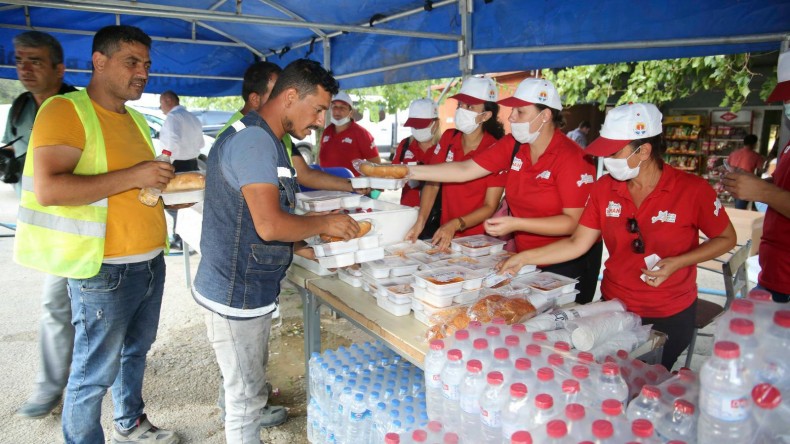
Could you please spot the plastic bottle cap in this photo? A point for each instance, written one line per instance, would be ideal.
(498, 321)
(475, 325)
(684, 406)
(766, 396)
(437, 344)
(570, 386)
(610, 359)
(474, 366)
(512, 340)
(562, 346)
(586, 357)
(651, 392)
(556, 428)
(539, 336)
(639, 382)
(518, 390)
(574, 412)
(760, 295)
(545, 374)
(602, 429)
(687, 375)
(580, 371)
(518, 328)
(451, 438)
(626, 372)
(637, 364)
(521, 437)
(622, 354)
(727, 350)
(495, 378)
(742, 306)
(642, 428)
(493, 331)
(392, 438)
(612, 407)
(166, 152)
(556, 360)
(523, 364)
(435, 426)
(741, 326)
(544, 401)
(782, 318)
(651, 376)
(611, 369)
(462, 335)
(480, 344)
(454, 355)
(501, 353)
(419, 436)
(533, 350)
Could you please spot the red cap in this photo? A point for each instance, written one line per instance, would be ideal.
(612, 407)
(651, 392)
(741, 326)
(521, 437)
(622, 354)
(419, 435)
(626, 372)
(501, 353)
(686, 374)
(512, 340)
(562, 346)
(493, 331)
(602, 429)
(580, 371)
(451, 438)
(454, 355)
(642, 428)
(539, 336)
(392, 438)
(495, 378)
(743, 306)
(727, 350)
(586, 357)
(435, 426)
(523, 364)
(556, 360)
(474, 366)
(574, 412)
(480, 344)
(651, 376)
(782, 318)
(610, 358)
(556, 428)
(518, 328)
(611, 369)
(545, 374)
(437, 344)
(570, 386)
(766, 396)
(167, 152)
(684, 406)
(462, 335)
(639, 382)
(533, 350)
(474, 324)
(544, 401)
(676, 390)
(518, 390)
(498, 321)
(637, 364)
(758, 294)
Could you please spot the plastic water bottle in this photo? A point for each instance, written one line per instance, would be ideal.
(480, 351)
(513, 344)
(514, 410)
(774, 365)
(434, 362)
(358, 420)
(557, 363)
(612, 410)
(521, 437)
(522, 372)
(678, 424)
(771, 412)
(542, 412)
(557, 432)
(476, 330)
(502, 363)
(741, 332)
(725, 401)
(571, 392)
(378, 425)
(463, 342)
(740, 308)
(764, 308)
(581, 373)
(577, 422)
(647, 405)
(150, 196)
(642, 431)
(494, 337)
(611, 384)
(434, 431)
(491, 403)
(452, 374)
(472, 388)
(451, 438)
(603, 431)
(535, 354)
(547, 384)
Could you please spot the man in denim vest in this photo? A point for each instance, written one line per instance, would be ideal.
(248, 233)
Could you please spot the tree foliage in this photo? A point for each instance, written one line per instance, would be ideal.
(392, 98)
(9, 90)
(228, 103)
(655, 81)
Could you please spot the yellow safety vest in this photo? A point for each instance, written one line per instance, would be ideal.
(69, 240)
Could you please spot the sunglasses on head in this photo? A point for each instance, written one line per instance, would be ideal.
(638, 244)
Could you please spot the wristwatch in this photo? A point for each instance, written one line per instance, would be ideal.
(461, 224)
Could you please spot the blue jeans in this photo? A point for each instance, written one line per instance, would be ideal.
(115, 315)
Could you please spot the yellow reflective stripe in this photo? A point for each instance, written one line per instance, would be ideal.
(27, 185)
(62, 224)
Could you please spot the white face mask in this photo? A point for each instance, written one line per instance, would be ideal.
(422, 134)
(787, 110)
(466, 120)
(521, 132)
(619, 169)
(340, 122)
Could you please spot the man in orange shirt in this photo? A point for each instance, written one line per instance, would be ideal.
(746, 159)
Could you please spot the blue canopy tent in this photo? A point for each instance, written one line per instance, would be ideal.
(202, 47)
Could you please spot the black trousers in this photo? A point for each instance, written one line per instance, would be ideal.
(181, 166)
(679, 329)
(585, 268)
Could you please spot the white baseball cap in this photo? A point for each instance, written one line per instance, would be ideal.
(534, 91)
(421, 113)
(477, 90)
(342, 96)
(623, 124)
(782, 90)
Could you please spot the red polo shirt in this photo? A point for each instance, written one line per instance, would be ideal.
(670, 219)
(561, 178)
(414, 154)
(339, 149)
(460, 199)
(775, 243)
(745, 159)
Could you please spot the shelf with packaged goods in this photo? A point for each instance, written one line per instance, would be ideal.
(684, 135)
(684, 153)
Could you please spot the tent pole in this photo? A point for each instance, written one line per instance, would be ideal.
(465, 44)
(398, 66)
(327, 55)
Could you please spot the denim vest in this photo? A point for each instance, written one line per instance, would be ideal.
(238, 269)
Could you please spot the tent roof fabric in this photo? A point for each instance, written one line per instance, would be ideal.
(202, 47)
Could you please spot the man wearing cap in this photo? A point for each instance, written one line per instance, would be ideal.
(775, 191)
(646, 211)
(345, 140)
(579, 135)
(417, 149)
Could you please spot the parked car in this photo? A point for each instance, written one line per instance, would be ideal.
(212, 121)
(156, 119)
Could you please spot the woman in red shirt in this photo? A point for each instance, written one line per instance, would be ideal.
(418, 148)
(644, 208)
(465, 205)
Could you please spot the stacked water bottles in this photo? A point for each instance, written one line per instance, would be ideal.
(360, 393)
(745, 385)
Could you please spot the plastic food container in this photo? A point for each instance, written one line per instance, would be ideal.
(311, 266)
(327, 200)
(435, 300)
(448, 280)
(550, 283)
(367, 255)
(383, 284)
(391, 266)
(567, 298)
(466, 297)
(370, 240)
(423, 317)
(335, 248)
(337, 261)
(393, 308)
(351, 200)
(479, 263)
(416, 305)
(381, 183)
(183, 197)
(400, 293)
(360, 182)
(478, 245)
(432, 256)
(353, 281)
(405, 248)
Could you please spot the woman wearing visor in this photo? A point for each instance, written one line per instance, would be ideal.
(642, 208)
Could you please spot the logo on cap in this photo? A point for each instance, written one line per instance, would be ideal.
(491, 95)
(543, 96)
(640, 128)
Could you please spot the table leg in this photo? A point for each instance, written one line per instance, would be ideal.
(186, 264)
(312, 330)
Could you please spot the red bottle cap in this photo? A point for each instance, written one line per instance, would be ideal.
(454, 355)
(518, 390)
(642, 428)
(523, 364)
(539, 336)
(544, 401)
(501, 353)
(521, 437)
(741, 326)
(437, 344)
(556, 428)
(574, 412)
(545, 374)
(651, 392)
(727, 350)
(612, 407)
(495, 378)
(602, 429)
(570, 386)
(766, 396)
(474, 366)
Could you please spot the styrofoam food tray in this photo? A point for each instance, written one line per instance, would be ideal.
(429, 309)
(567, 298)
(550, 283)
(400, 293)
(370, 240)
(367, 255)
(337, 261)
(404, 248)
(467, 296)
(326, 200)
(335, 248)
(183, 197)
(390, 282)
(485, 263)
(392, 308)
(311, 266)
(391, 266)
(382, 183)
(360, 182)
(353, 281)
(323, 204)
(451, 280)
(423, 317)
(478, 245)
(432, 255)
(435, 300)
(416, 305)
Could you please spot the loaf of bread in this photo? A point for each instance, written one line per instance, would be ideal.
(186, 182)
(364, 228)
(384, 171)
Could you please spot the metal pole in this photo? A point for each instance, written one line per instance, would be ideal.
(398, 66)
(465, 44)
(784, 127)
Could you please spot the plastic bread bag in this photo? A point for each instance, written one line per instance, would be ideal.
(556, 319)
(627, 340)
(371, 169)
(589, 332)
(447, 321)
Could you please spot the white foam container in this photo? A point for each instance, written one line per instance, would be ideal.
(360, 182)
(337, 261)
(389, 282)
(391, 266)
(383, 183)
(312, 266)
(370, 240)
(484, 263)
(399, 293)
(335, 248)
(351, 200)
(567, 298)
(391, 221)
(331, 200)
(447, 273)
(392, 308)
(183, 197)
(550, 283)
(477, 245)
(435, 300)
(431, 256)
(367, 255)
(423, 317)
(467, 296)
(406, 247)
(416, 305)
(353, 281)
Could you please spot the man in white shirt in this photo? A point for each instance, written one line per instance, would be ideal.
(579, 135)
(182, 135)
